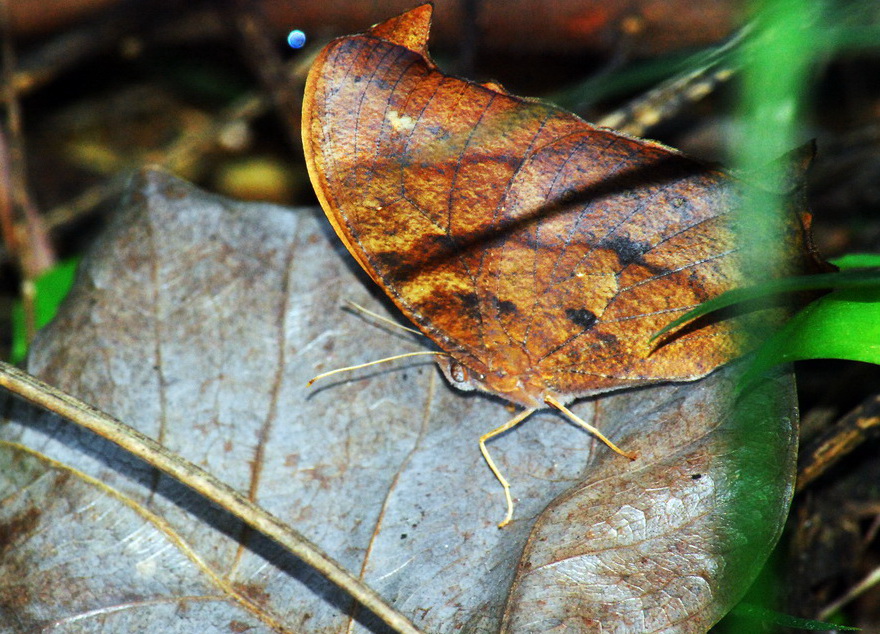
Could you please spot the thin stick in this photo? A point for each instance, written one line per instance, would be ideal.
(368, 364)
(552, 402)
(390, 322)
(860, 588)
(666, 100)
(43, 395)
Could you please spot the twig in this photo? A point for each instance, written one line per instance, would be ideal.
(43, 395)
(181, 151)
(7, 222)
(860, 588)
(670, 97)
(30, 247)
(859, 425)
(72, 47)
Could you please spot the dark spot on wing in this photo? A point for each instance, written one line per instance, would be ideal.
(627, 251)
(632, 252)
(470, 303)
(581, 317)
(607, 338)
(504, 306)
(392, 266)
(390, 259)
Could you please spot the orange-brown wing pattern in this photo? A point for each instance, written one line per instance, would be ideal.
(522, 240)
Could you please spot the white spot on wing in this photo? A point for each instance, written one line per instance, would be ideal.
(404, 123)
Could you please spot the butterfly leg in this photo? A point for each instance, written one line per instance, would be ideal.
(513, 422)
(552, 402)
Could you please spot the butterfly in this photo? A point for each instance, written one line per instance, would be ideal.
(538, 252)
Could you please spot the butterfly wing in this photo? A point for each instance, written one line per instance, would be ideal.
(522, 240)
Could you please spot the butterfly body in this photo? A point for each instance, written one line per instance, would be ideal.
(514, 381)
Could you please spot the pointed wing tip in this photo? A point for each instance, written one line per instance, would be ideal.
(409, 29)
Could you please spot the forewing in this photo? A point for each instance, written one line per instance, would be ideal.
(510, 230)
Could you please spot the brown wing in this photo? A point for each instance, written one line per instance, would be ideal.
(519, 238)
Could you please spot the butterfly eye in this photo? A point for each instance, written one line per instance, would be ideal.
(458, 372)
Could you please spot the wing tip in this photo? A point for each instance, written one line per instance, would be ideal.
(410, 29)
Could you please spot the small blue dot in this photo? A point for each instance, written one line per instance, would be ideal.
(296, 39)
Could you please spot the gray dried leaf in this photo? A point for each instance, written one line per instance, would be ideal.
(199, 321)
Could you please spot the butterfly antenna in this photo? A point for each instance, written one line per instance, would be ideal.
(390, 322)
(552, 402)
(366, 365)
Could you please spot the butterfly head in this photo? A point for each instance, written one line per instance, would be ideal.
(523, 388)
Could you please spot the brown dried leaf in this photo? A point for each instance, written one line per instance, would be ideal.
(199, 321)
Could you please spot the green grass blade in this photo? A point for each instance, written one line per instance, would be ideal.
(51, 288)
(757, 613)
(849, 278)
(844, 324)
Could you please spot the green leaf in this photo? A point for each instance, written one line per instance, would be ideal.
(844, 324)
(857, 261)
(51, 287)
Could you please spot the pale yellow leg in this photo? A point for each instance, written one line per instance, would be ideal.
(552, 402)
(500, 430)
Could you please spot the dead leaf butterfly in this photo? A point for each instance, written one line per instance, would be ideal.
(538, 252)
